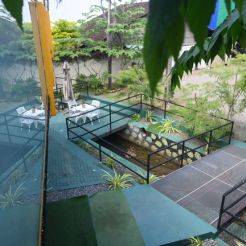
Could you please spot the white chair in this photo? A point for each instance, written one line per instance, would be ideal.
(40, 119)
(95, 103)
(71, 104)
(93, 114)
(78, 116)
(23, 120)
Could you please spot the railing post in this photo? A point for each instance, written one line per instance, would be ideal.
(221, 212)
(209, 141)
(87, 89)
(100, 152)
(165, 109)
(67, 129)
(110, 119)
(141, 102)
(182, 156)
(61, 99)
(230, 137)
(7, 127)
(148, 167)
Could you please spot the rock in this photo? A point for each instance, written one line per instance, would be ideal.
(153, 148)
(134, 135)
(164, 141)
(158, 144)
(146, 144)
(149, 139)
(153, 136)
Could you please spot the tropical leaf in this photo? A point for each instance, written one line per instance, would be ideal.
(15, 9)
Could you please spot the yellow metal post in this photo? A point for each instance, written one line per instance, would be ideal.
(44, 50)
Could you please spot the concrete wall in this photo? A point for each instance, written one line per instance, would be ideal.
(154, 142)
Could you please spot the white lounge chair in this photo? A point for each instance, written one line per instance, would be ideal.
(23, 120)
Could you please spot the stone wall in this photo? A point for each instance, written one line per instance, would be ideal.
(154, 142)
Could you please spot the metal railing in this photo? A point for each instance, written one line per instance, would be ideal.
(230, 212)
(137, 106)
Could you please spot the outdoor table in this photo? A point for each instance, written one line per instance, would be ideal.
(82, 109)
(36, 115)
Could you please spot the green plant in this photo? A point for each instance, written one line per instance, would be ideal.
(136, 117)
(11, 198)
(149, 116)
(152, 177)
(167, 126)
(195, 241)
(117, 181)
(109, 162)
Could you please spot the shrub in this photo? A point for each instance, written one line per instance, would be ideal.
(167, 126)
(136, 117)
(117, 181)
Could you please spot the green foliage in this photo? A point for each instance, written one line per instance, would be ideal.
(195, 241)
(11, 198)
(161, 39)
(117, 181)
(152, 177)
(18, 47)
(25, 88)
(230, 88)
(68, 41)
(167, 126)
(149, 116)
(125, 31)
(15, 9)
(93, 81)
(109, 162)
(134, 79)
(136, 117)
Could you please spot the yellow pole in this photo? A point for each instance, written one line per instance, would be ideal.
(44, 51)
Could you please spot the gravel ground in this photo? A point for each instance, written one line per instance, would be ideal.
(66, 194)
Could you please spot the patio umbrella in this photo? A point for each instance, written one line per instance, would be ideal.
(67, 83)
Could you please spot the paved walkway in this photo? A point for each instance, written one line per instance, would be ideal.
(199, 187)
(69, 166)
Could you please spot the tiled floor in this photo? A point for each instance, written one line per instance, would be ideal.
(199, 187)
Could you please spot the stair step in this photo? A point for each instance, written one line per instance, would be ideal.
(161, 221)
(113, 221)
(69, 223)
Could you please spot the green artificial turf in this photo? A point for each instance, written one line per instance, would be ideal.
(69, 223)
(113, 220)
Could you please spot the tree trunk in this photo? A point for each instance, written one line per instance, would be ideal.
(167, 88)
(109, 42)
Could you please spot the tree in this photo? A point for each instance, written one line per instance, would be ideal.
(165, 33)
(230, 87)
(121, 27)
(67, 42)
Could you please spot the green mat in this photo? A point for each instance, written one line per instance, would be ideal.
(113, 221)
(69, 223)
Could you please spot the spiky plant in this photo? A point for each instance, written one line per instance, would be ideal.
(195, 241)
(149, 116)
(152, 177)
(11, 198)
(117, 181)
(167, 126)
(136, 117)
(109, 162)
